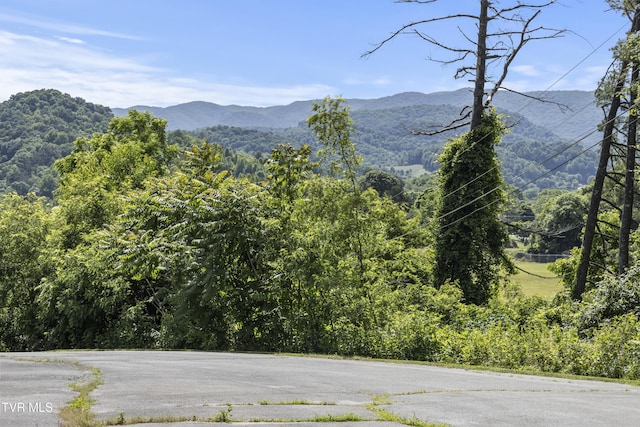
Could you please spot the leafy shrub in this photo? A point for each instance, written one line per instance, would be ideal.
(613, 297)
(413, 336)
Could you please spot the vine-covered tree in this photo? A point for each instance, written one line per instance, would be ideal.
(469, 237)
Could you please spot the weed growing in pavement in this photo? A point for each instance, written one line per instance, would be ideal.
(78, 413)
(294, 402)
(335, 418)
(223, 416)
(384, 415)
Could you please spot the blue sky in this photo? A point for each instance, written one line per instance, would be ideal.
(122, 53)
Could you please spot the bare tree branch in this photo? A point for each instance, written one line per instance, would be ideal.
(448, 128)
(404, 28)
(525, 37)
(434, 42)
(455, 124)
(500, 46)
(499, 13)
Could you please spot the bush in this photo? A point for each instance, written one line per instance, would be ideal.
(616, 349)
(413, 336)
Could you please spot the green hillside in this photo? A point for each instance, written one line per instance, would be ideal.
(38, 127)
(387, 139)
(569, 114)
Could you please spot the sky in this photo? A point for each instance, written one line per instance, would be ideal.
(123, 53)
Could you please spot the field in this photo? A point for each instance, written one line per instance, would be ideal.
(411, 171)
(540, 282)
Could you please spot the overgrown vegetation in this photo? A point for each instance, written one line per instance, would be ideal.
(143, 249)
(78, 412)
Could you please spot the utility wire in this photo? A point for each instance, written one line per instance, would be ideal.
(510, 192)
(555, 127)
(594, 50)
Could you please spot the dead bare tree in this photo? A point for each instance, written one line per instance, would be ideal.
(485, 60)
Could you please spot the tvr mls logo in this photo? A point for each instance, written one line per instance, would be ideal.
(27, 407)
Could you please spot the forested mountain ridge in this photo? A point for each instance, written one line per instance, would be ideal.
(386, 139)
(386, 130)
(39, 127)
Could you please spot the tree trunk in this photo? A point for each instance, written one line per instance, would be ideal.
(481, 66)
(626, 218)
(596, 195)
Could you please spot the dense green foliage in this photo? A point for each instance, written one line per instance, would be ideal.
(559, 219)
(386, 138)
(239, 139)
(37, 128)
(145, 247)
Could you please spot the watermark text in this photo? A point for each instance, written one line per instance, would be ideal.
(27, 407)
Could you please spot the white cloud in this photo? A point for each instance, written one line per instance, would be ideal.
(29, 63)
(61, 27)
(589, 78)
(527, 70)
(555, 77)
(71, 40)
(375, 81)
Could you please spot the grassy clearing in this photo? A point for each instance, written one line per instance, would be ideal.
(541, 282)
(536, 279)
(412, 170)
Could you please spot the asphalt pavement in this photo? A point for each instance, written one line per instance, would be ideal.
(169, 388)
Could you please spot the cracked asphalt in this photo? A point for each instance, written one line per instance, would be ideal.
(259, 389)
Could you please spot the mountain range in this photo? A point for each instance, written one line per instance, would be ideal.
(568, 114)
(545, 147)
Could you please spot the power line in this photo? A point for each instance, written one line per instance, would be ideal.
(594, 50)
(485, 194)
(510, 192)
